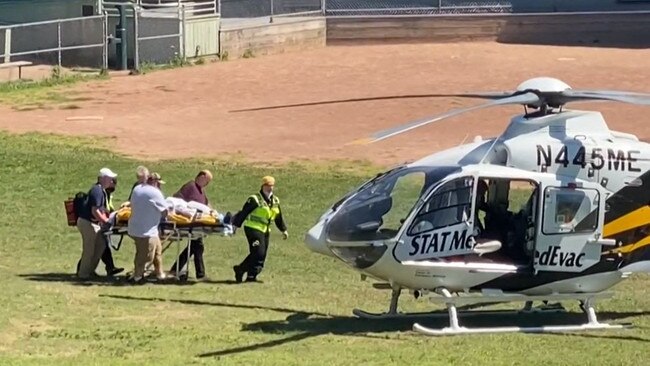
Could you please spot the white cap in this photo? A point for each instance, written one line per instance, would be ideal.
(105, 172)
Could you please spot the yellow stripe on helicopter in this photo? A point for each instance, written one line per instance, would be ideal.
(634, 219)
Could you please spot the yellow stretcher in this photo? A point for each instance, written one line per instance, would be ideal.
(174, 228)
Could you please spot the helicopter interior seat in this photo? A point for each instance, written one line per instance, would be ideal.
(364, 222)
(521, 229)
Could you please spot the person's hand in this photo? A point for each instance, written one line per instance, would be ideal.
(285, 235)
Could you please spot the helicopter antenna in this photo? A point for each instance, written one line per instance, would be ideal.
(490, 149)
(464, 138)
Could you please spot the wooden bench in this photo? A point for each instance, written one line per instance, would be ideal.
(18, 64)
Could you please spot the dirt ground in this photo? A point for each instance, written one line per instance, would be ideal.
(189, 112)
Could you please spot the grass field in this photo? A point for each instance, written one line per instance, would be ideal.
(301, 314)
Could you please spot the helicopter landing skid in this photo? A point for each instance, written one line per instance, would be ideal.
(394, 314)
(586, 304)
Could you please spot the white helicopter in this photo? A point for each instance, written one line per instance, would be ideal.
(555, 208)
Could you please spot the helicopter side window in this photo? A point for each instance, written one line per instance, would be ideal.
(449, 205)
(570, 210)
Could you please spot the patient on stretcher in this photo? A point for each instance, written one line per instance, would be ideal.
(181, 213)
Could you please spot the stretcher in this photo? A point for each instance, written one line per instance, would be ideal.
(175, 228)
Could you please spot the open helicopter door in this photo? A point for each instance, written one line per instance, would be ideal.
(569, 236)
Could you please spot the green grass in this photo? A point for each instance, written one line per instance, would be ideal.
(300, 315)
(48, 93)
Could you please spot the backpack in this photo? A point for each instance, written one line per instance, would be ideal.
(75, 206)
(80, 202)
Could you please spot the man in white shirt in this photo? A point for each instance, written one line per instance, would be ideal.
(148, 206)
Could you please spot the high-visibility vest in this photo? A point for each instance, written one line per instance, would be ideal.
(109, 202)
(262, 216)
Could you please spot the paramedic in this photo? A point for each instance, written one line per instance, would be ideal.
(257, 214)
(193, 190)
(147, 207)
(90, 219)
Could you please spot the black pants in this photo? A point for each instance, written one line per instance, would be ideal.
(258, 245)
(196, 250)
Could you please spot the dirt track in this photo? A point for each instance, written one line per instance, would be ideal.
(186, 112)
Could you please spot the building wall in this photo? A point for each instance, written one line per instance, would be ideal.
(283, 35)
(614, 30)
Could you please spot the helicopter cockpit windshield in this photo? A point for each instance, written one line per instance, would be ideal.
(377, 209)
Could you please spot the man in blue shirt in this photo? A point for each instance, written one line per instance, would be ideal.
(89, 224)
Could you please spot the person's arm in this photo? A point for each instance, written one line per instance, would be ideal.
(282, 226)
(161, 204)
(184, 192)
(248, 207)
(279, 222)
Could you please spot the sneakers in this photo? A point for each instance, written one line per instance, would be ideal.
(239, 274)
(251, 279)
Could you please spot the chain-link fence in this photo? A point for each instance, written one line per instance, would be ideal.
(265, 8)
(62, 42)
(415, 7)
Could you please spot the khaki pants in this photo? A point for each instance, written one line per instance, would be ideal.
(93, 245)
(147, 250)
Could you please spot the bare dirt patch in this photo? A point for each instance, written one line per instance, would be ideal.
(187, 112)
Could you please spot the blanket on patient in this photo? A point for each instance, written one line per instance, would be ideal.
(181, 213)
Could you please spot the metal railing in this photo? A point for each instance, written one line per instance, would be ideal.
(143, 22)
(9, 33)
(193, 8)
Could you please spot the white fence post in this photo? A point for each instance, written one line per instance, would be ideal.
(136, 46)
(105, 37)
(7, 44)
(271, 17)
(181, 42)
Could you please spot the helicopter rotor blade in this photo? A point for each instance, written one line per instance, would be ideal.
(525, 98)
(488, 95)
(611, 95)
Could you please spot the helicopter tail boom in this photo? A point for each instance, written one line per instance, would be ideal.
(628, 221)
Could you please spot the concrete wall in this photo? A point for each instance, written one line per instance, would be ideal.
(617, 30)
(527, 6)
(283, 35)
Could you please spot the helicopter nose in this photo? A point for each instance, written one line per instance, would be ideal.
(315, 239)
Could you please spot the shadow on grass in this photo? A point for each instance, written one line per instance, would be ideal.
(98, 281)
(311, 324)
(122, 280)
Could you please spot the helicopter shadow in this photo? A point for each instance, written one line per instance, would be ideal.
(304, 324)
(307, 326)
